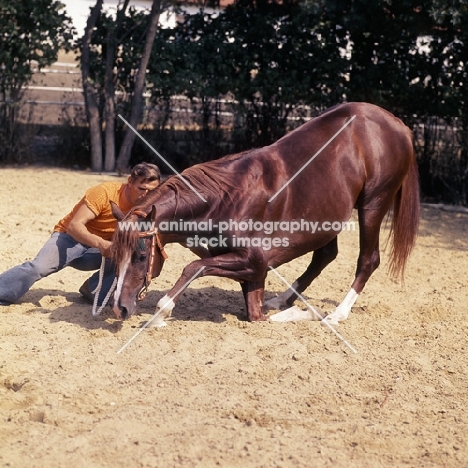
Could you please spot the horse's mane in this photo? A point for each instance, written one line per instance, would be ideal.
(213, 179)
(124, 240)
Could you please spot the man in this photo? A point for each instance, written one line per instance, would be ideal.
(83, 237)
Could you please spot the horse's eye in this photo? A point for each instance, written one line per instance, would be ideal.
(139, 256)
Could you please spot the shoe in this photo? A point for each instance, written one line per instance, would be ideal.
(5, 303)
(86, 293)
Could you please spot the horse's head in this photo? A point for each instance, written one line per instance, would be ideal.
(139, 256)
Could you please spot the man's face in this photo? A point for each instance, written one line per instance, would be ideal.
(138, 188)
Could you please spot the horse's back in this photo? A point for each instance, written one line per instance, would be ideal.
(369, 121)
(327, 162)
(374, 145)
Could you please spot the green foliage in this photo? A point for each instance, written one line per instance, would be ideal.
(268, 57)
(30, 31)
(269, 60)
(191, 60)
(282, 55)
(275, 58)
(445, 165)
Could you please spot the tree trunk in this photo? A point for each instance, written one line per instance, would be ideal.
(91, 105)
(109, 90)
(137, 101)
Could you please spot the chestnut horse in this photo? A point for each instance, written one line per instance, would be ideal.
(354, 155)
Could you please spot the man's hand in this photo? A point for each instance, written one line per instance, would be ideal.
(78, 230)
(105, 248)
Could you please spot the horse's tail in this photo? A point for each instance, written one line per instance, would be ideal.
(405, 222)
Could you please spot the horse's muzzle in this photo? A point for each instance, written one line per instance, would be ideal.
(122, 312)
(117, 311)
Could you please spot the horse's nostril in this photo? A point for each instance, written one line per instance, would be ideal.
(124, 313)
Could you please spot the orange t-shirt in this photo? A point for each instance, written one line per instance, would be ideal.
(98, 199)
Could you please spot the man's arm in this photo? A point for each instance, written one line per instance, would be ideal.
(77, 229)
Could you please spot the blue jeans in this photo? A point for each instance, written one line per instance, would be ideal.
(60, 251)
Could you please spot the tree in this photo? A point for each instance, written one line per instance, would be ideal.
(445, 81)
(282, 54)
(192, 60)
(90, 95)
(270, 57)
(109, 46)
(381, 37)
(30, 32)
(139, 87)
(109, 87)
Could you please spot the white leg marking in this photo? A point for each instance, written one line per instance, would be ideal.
(295, 314)
(278, 302)
(163, 310)
(123, 269)
(342, 311)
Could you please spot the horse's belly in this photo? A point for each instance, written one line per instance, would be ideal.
(294, 246)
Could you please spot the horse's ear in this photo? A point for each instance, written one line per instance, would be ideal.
(153, 213)
(116, 211)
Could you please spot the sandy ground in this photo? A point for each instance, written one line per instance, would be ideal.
(214, 390)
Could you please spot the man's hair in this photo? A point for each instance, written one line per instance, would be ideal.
(148, 172)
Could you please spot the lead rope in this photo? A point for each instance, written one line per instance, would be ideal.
(97, 291)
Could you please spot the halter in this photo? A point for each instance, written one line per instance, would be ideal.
(155, 242)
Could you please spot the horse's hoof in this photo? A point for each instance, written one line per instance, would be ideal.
(158, 322)
(293, 314)
(273, 304)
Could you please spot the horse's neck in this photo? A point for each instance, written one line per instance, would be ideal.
(185, 205)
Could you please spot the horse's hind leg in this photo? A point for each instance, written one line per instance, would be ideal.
(320, 259)
(368, 261)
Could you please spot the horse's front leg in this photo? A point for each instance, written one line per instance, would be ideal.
(241, 266)
(254, 293)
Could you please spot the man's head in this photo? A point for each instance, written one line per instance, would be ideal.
(148, 172)
(143, 178)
